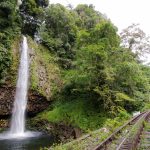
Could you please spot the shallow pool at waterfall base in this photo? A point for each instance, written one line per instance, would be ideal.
(28, 143)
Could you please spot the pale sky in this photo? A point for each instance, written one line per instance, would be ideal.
(122, 13)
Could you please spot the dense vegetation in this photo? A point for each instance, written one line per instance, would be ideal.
(9, 28)
(101, 71)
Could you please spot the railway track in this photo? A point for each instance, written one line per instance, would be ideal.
(128, 136)
(145, 137)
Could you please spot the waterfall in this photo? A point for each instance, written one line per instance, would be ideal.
(17, 128)
(18, 116)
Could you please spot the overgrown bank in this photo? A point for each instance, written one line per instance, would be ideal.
(79, 63)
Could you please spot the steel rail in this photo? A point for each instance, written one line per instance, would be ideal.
(103, 145)
(130, 141)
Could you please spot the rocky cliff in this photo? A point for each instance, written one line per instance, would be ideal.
(36, 102)
(45, 79)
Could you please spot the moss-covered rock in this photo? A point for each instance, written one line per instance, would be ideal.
(45, 74)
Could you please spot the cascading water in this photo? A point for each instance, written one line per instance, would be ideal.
(17, 128)
(17, 138)
(18, 116)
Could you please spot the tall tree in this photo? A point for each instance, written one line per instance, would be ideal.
(32, 12)
(7, 13)
(58, 33)
(88, 16)
(136, 40)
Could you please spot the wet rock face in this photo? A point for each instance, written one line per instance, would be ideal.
(4, 124)
(36, 102)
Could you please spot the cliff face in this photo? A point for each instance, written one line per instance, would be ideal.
(44, 81)
(36, 102)
(45, 75)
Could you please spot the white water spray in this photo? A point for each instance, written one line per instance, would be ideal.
(17, 129)
(18, 116)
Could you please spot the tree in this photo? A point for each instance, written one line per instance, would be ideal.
(4, 61)
(88, 16)
(93, 77)
(32, 12)
(8, 13)
(136, 40)
(58, 33)
(42, 3)
(9, 25)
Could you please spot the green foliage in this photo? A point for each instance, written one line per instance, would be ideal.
(146, 107)
(109, 75)
(59, 33)
(7, 13)
(96, 136)
(32, 13)
(103, 33)
(9, 26)
(78, 113)
(101, 74)
(88, 17)
(4, 61)
(93, 76)
(42, 3)
(45, 73)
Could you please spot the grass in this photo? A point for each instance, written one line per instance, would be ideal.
(92, 123)
(76, 113)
